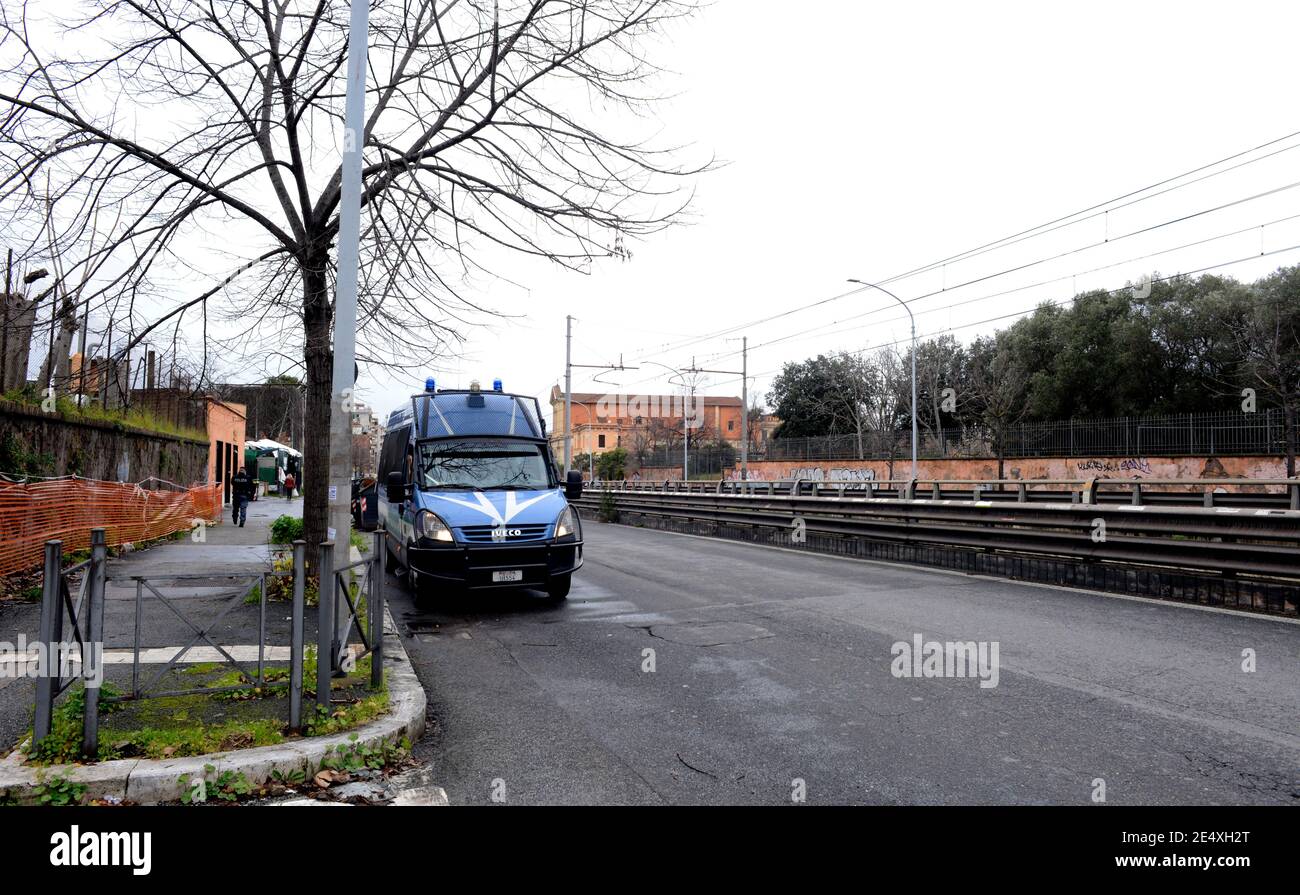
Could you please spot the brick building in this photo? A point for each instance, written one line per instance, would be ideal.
(637, 423)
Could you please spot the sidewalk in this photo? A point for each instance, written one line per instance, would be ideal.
(226, 550)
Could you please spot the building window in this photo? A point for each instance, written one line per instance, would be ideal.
(731, 425)
(600, 441)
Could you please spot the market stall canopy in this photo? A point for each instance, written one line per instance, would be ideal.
(267, 444)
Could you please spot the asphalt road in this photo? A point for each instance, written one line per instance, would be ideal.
(772, 679)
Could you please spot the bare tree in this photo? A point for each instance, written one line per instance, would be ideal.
(490, 127)
(939, 366)
(998, 384)
(886, 408)
(1266, 328)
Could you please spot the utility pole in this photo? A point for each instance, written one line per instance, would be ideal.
(345, 304)
(744, 413)
(568, 393)
(689, 388)
(744, 408)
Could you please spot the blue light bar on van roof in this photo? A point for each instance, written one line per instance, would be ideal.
(453, 414)
(496, 385)
(430, 385)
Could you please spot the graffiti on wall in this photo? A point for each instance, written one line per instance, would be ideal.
(1028, 469)
(1132, 466)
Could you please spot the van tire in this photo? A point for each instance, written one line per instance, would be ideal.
(558, 588)
(419, 591)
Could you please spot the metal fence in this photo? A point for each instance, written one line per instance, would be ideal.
(706, 460)
(346, 606)
(1182, 435)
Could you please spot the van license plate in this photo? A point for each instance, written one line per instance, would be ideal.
(513, 575)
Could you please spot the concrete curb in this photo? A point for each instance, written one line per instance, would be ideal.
(150, 781)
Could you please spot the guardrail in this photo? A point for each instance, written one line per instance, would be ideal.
(1262, 493)
(1236, 556)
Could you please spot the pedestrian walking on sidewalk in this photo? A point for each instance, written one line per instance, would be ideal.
(241, 492)
(289, 484)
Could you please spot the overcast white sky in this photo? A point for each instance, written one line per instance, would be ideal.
(867, 139)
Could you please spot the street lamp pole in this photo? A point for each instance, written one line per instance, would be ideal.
(913, 319)
(345, 304)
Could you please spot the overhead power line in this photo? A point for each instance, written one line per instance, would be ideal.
(1020, 236)
(1057, 303)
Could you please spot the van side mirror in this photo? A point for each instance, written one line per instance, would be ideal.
(396, 487)
(573, 485)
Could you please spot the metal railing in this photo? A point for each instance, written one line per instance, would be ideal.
(343, 612)
(1215, 555)
(1178, 435)
(1257, 493)
(334, 628)
(86, 615)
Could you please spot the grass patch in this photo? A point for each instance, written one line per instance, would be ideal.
(243, 717)
(203, 668)
(63, 745)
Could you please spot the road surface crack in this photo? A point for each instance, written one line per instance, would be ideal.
(695, 769)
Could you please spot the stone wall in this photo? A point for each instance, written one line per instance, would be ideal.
(55, 444)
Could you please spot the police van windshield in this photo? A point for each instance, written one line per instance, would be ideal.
(485, 464)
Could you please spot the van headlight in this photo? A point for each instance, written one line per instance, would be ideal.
(429, 527)
(566, 526)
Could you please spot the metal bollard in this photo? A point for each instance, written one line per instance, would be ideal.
(94, 642)
(325, 625)
(377, 612)
(51, 633)
(295, 647)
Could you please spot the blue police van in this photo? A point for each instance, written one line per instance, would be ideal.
(471, 497)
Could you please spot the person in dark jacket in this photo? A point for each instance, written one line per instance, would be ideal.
(241, 487)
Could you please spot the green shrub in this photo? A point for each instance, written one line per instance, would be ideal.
(608, 507)
(286, 530)
(59, 791)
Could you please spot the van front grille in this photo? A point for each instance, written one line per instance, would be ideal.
(503, 534)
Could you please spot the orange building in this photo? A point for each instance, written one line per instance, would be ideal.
(602, 422)
(226, 436)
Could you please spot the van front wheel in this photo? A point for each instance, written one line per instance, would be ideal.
(558, 588)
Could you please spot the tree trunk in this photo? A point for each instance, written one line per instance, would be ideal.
(318, 353)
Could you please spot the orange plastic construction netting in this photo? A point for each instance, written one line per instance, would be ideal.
(66, 509)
